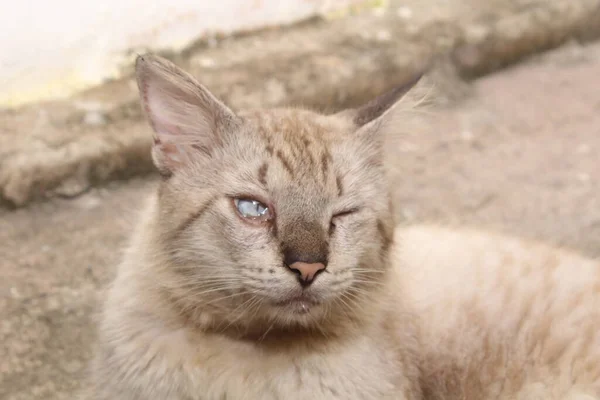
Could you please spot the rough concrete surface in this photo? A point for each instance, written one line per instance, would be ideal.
(518, 154)
(63, 148)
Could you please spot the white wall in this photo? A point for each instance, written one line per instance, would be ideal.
(51, 48)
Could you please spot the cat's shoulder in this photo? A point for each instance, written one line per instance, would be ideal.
(462, 261)
(435, 241)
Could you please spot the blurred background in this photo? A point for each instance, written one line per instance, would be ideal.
(509, 140)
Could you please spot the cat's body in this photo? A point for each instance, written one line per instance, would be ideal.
(501, 317)
(266, 267)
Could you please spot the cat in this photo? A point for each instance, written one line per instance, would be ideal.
(267, 266)
(501, 317)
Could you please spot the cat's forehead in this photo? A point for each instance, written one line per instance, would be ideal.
(294, 150)
(295, 125)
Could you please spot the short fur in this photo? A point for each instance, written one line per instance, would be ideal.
(204, 308)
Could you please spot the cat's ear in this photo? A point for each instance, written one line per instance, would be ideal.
(366, 116)
(186, 118)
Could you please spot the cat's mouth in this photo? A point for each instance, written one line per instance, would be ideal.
(301, 303)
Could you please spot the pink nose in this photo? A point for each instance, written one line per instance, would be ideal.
(307, 272)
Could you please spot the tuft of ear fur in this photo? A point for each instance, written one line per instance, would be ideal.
(186, 117)
(372, 112)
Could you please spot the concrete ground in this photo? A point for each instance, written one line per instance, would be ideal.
(519, 154)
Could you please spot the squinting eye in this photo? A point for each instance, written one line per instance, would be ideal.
(339, 215)
(252, 209)
(344, 213)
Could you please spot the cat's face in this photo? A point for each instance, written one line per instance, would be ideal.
(276, 216)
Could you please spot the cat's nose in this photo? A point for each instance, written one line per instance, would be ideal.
(307, 272)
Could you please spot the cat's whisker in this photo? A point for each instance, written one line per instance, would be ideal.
(252, 300)
(192, 281)
(257, 309)
(317, 324)
(369, 269)
(199, 292)
(369, 282)
(350, 305)
(271, 325)
(355, 301)
(342, 300)
(220, 299)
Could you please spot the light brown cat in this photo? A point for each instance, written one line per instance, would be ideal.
(501, 318)
(265, 267)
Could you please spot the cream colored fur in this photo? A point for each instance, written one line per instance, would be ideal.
(154, 355)
(501, 317)
(203, 307)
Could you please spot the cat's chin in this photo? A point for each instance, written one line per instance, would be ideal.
(301, 304)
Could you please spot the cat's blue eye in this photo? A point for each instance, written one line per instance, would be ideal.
(252, 209)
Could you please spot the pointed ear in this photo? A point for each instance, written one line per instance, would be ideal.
(187, 119)
(375, 109)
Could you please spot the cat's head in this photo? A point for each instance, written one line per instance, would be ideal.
(278, 217)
